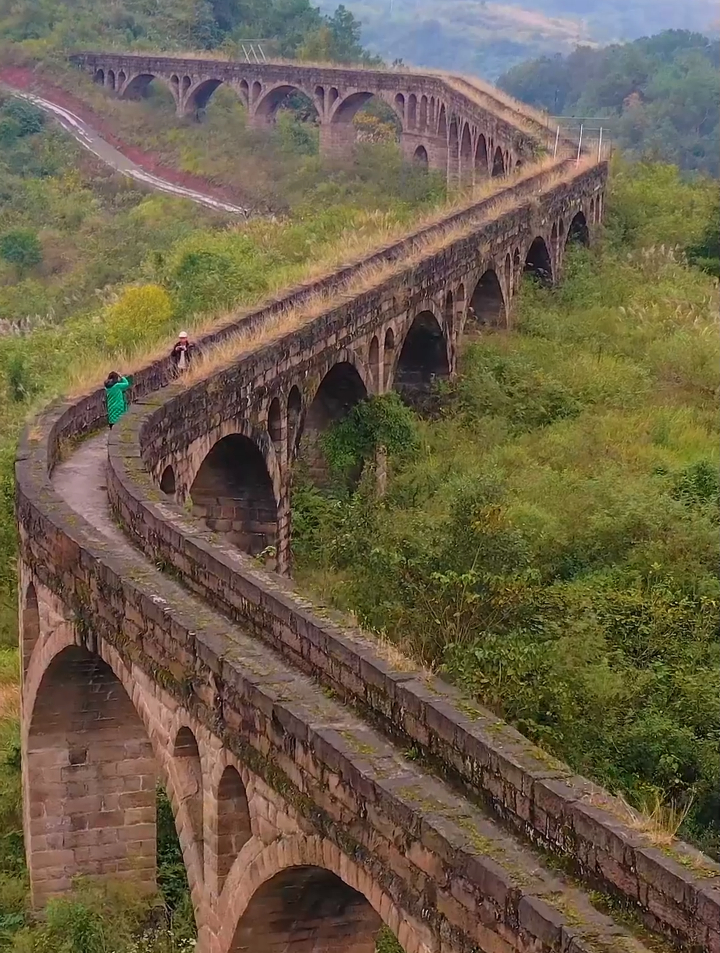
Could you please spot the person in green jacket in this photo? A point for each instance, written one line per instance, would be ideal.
(115, 387)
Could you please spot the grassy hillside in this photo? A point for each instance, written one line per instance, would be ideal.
(550, 542)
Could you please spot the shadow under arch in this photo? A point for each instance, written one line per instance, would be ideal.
(139, 86)
(420, 157)
(340, 390)
(538, 264)
(498, 166)
(487, 304)
(200, 96)
(269, 103)
(190, 788)
(307, 908)
(232, 822)
(81, 719)
(578, 232)
(423, 360)
(30, 624)
(234, 494)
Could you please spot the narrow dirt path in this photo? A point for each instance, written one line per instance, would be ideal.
(94, 142)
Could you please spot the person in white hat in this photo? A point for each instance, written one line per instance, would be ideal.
(182, 353)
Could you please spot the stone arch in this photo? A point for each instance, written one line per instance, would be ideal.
(374, 363)
(554, 235)
(538, 263)
(339, 391)
(186, 755)
(299, 853)
(137, 87)
(453, 148)
(423, 359)
(487, 303)
(345, 110)
(508, 271)
(243, 89)
(333, 96)
(466, 155)
(274, 422)
(167, 481)
(307, 905)
(449, 310)
(232, 828)
(481, 158)
(99, 77)
(294, 414)
(199, 96)
(110, 79)
(256, 90)
(420, 157)
(388, 356)
(270, 101)
(578, 232)
(121, 77)
(423, 115)
(83, 726)
(411, 111)
(30, 621)
(442, 122)
(592, 209)
(460, 303)
(233, 492)
(498, 166)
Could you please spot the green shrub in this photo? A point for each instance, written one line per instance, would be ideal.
(21, 247)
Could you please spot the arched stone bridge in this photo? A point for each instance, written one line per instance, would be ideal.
(154, 649)
(447, 123)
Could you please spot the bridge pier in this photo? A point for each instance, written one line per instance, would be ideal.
(89, 774)
(337, 139)
(430, 151)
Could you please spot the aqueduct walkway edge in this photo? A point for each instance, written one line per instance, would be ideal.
(404, 840)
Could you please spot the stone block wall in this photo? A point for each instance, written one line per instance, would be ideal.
(92, 802)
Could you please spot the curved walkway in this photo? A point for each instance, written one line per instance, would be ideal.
(112, 157)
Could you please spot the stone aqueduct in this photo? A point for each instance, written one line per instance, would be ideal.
(446, 123)
(154, 649)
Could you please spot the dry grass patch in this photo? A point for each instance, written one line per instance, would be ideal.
(351, 251)
(284, 321)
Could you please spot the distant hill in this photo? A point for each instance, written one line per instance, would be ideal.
(487, 38)
(660, 95)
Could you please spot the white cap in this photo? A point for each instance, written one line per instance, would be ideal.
(183, 334)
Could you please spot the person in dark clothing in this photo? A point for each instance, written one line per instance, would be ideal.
(183, 352)
(115, 387)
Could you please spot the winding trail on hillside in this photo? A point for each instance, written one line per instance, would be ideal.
(91, 140)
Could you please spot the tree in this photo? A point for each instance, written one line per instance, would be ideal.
(21, 247)
(345, 30)
(29, 118)
(137, 314)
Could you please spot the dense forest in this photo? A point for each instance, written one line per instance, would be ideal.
(297, 28)
(659, 96)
